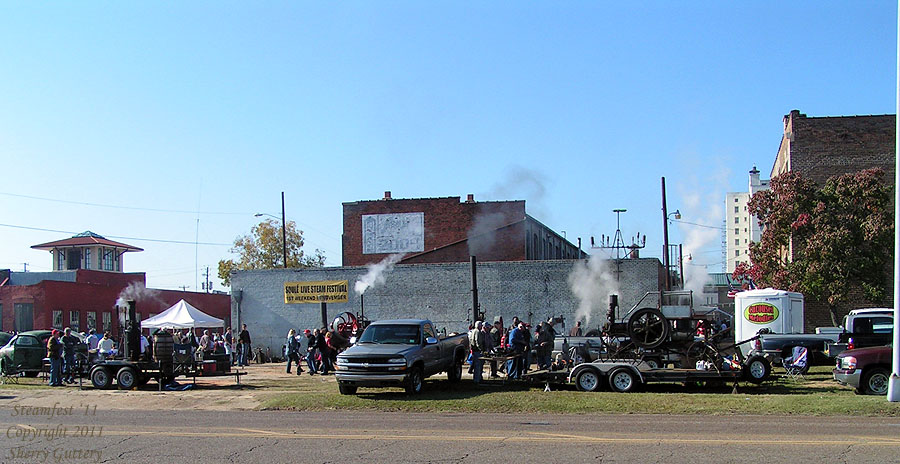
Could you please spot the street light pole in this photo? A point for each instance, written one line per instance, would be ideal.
(283, 233)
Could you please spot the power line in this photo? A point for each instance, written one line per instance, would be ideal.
(118, 236)
(698, 225)
(135, 208)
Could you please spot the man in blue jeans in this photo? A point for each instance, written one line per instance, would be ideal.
(476, 344)
(55, 353)
(244, 339)
(517, 348)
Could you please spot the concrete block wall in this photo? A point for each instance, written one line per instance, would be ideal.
(532, 290)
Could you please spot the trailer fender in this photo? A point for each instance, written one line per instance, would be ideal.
(604, 368)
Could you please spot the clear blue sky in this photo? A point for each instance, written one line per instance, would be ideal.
(576, 107)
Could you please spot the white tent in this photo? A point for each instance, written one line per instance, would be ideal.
(181, 316)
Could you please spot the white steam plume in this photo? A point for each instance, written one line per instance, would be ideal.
(701, 240)
(375, 274)
(524, 183)
(483, 234)
(592, 282)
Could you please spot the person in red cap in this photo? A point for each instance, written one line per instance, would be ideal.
(54, 352)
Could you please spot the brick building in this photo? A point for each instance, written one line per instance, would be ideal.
(447, 230)
(83, 291)
(822, 147)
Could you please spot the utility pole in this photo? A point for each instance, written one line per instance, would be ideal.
(207, 285)
(184, 288)
(25, 266)
(665, 235)
(283, 233)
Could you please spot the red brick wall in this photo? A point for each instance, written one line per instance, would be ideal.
(48, 296)
(828, 146)
(447, 224)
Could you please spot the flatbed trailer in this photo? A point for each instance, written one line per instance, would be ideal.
(626, 375)
(129, 374)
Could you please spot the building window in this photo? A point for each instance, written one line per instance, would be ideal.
(57, 319)
(737, 241)
(107, 321)
(108, 256)
(737, 220)
(60, 260)
(737, 231)
(92, 320)
(74, 321)
(737, 252)
(735, 200)
(87, 258)
(737, 209)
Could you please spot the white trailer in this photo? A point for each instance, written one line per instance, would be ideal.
(779, 311)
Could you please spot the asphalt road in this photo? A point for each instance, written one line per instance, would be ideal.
(97, 435)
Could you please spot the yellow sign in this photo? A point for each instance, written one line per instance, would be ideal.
(328, 291)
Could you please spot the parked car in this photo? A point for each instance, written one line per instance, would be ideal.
(25, 352)
(865, 369)
(4, 338)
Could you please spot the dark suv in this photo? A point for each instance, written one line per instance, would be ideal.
(865, 369)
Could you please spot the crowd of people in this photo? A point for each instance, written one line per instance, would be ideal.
(62, 349)
(515, 342)
(315, 348)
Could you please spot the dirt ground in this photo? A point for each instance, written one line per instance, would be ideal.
(210, 393)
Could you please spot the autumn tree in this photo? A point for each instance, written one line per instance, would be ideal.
(824, 242)
(262, 249)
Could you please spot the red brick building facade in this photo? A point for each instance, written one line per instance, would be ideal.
(447, 230)
(822, 147)
(84, 299)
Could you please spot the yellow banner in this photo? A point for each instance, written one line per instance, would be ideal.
(329, 291)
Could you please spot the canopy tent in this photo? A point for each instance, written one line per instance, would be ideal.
(181, 316)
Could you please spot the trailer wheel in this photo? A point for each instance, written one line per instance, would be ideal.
(757, 369)
(622, 380)
(588, 380)
(414, 382)
(101, 377)
(126, 378)
(347, 389)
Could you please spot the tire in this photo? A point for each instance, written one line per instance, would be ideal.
(347, 389)
(101, 377)
(126, 378)
(622, 380)
(757, 369)
(654, 363)
(588, 380)
(414, 382)
(593, 333)
(455, 372)
(875, 381)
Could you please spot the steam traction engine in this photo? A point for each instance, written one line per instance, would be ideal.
(669, 332)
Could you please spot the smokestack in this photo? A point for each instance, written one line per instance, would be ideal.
(470, 198)
(387, 194)
(613, 304)
(132, 345)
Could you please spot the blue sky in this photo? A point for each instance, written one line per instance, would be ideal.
(170, 112)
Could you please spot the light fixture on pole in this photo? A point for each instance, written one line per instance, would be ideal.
(283, 230)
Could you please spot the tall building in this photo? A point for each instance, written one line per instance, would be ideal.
(741, 228)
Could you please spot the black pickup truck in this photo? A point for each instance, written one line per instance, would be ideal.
(864, 328)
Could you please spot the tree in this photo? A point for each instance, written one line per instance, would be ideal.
(262, 249)
(824, 242)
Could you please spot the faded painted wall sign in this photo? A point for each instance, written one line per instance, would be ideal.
(393, 233)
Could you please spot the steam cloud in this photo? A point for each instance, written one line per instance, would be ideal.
(483, 234)
(139, 293)
(592, 282)
(375, 274)
(527, 183)
(706, 210)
